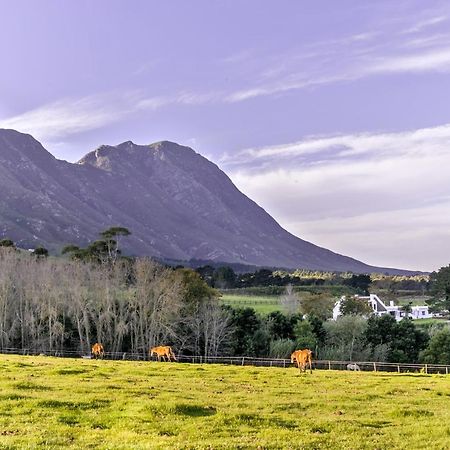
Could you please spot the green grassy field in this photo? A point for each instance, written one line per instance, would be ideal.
(62, 403)
(263, 304)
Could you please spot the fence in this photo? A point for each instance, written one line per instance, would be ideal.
(365, 366)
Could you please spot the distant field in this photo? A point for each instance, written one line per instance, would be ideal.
(62, 403)
(415, 300)
(261, 303)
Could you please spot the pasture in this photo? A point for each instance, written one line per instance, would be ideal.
(263, 304)
(73, 403)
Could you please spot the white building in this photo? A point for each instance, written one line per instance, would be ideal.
(379, 308)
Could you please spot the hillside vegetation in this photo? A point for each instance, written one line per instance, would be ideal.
(63, 403)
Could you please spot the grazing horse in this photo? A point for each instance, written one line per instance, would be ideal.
(302, 358)
(98, 351)
(353, 367)
(163, 352)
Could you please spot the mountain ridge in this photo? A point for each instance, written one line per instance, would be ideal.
(178, 205)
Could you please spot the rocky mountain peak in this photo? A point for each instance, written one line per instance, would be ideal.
(178, 205)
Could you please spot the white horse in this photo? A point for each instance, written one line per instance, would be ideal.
(353, 367)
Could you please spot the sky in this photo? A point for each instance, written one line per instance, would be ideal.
(333, 116)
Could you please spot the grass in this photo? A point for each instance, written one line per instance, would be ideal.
(263, 304)
(415, 300)
(61, 403)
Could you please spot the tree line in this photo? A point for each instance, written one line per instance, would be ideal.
(130, 305)
(224, 277)
(69, 304)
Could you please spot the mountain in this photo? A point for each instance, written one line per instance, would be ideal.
(178, 205)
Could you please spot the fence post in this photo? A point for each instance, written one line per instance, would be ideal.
(284, 363)
(426, 368)
(374, 367)
(398, 369)
(243, 358)
(446, 370)
(329, 365)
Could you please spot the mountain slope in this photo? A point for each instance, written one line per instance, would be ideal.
(177, 204)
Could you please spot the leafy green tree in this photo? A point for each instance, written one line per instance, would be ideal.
(440, 290)
(408, 342)
(438, 350)
(404, 339)
(318, 329)
(261, 341)
(207, 273)
(317, 305)
(407, 309)
(245, 323)
(355, 306)
(224, 278)
(345, 336)
(360, 283)
(280, 325)
(304, 336)
(195, 288)
(104, 250)
(380, 330)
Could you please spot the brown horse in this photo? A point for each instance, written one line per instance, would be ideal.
(98, 351)
(162, 352)
(302, 358)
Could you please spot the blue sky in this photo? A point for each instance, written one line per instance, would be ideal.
(333, 116)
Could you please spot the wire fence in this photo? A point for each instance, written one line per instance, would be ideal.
(364, 366)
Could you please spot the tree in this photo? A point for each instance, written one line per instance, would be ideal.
(111, 237)
(408, 341)
(7, 243)
(207, 273)
(224, 277)
(304, 336)
(360, 283)
(380, 330)
(101, 251)
(317, 305)
(440, 290)
(438, 350)
(345, 338)
(404, 339)
(353, 306)
(407, 309)
(281, 326)
(318, 329)
(244, 323)
(40, 252)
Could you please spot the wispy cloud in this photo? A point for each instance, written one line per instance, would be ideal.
(424, 24)
(71, 116)
(435, 60)
(346, 192)
(410, 45)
